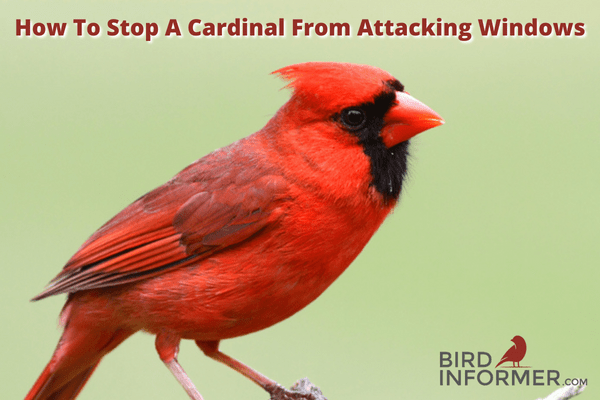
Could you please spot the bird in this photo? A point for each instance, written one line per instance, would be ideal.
(247, 235)
(516, 353)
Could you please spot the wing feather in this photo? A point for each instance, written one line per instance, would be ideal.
(176, 225)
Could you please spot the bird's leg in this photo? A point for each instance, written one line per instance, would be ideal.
(167, 346)
(211, 349)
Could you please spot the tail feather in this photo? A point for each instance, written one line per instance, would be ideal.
(42, 389)
(72, 389)
(502, 361)
(73, 362)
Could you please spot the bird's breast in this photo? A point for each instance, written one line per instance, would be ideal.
(261, 281)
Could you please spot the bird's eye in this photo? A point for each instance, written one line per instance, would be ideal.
(353, 118)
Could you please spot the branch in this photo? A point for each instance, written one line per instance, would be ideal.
(565, 393)
(305, 390)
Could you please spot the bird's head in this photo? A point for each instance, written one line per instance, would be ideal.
(358, 104)
(518, 340)
(361, 98)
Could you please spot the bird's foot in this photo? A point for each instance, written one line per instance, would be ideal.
(302, 390)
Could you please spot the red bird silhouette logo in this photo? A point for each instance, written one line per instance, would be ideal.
(515, 353)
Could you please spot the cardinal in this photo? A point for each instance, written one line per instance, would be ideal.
(515, 353)
(247, 235)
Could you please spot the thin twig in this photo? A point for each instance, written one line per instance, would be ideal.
(302, 390)
(305, 390)
(565, 393)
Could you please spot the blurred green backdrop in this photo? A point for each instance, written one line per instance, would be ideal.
(496, 234)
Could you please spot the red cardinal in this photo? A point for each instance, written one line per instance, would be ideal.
(247, 235)
(515, 353)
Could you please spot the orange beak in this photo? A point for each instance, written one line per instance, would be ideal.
(407, 118)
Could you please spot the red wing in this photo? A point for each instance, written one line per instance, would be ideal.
(510, 354)
(176, 225)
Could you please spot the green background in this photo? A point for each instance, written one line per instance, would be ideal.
(496, 234)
